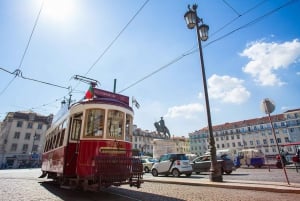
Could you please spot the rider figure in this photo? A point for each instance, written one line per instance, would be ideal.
(162, 123)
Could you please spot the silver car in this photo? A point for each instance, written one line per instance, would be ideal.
(203, 163)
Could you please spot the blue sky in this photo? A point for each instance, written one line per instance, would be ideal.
(252, 53)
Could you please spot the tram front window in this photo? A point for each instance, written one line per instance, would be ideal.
(94, 123)
(115, 124)
(128, 131)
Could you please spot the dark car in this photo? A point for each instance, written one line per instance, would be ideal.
(203, 163)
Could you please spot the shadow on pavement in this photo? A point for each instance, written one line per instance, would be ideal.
(107, 194)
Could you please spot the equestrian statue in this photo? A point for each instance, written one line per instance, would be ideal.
(162, 129)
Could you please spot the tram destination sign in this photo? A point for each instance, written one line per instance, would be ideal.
(99, 93)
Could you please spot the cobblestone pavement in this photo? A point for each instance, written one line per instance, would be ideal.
(25, 185)
(171, 192)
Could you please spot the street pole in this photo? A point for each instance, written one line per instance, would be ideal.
(192, 17)
(268, 107)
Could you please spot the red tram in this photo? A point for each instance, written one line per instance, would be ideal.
(89, 145)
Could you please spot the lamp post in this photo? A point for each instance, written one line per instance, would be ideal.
(268, 107)
(193, 21)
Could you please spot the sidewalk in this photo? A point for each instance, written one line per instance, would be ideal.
(278, 187)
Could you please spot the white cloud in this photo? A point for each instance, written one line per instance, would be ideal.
(186, 111)
(298, 73)
(266, 58)
(227, 89)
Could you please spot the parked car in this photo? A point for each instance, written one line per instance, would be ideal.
(147, 164)
(175, 164)
(203, 163)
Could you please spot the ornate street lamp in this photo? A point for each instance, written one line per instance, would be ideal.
(193, 21)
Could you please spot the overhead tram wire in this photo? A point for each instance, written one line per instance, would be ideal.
(209, 43)
(18, 73)
(256, 20)
(239, 15)
(159, 69)
(26, 48)
(116, 38)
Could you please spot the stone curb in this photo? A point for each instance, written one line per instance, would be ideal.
(232, 184)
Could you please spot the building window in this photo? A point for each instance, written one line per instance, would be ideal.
(265, 141)
(19, 124)
(40, 126)
(239, 144)
(37, 137)
(233, 144)
(272, 141)
(223, 146)
(232, 137)
(278, 140)
(35, 148)
(258, 142)
(25, 148)
(286, 139)
(17, 135)
(238, 137)
(13, 147)
(29, 125)
(251, 142)
(27, 136)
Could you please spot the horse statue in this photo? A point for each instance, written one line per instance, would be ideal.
(162, 128)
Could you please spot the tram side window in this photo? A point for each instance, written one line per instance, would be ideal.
(62, 135)
(94, 122)
(64, 127)
(76, 127)
(47, 145)
(115, 124)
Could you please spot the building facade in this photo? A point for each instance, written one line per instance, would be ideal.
(253, 133)
(142, 140)
(152, 144)
(21, 139)
(293, 122)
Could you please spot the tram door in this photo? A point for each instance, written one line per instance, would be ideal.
(73, 144)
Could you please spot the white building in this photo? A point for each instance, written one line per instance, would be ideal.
(253, 133)
(22, 138)
(293, 123)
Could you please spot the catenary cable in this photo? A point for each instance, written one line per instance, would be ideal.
(221, 37)
(26, 48)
